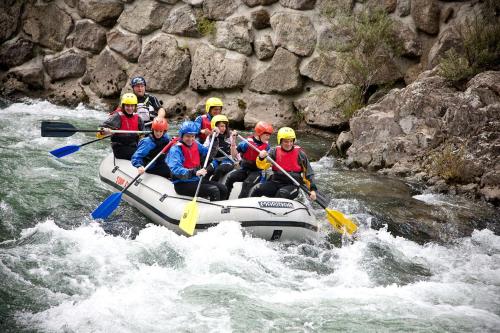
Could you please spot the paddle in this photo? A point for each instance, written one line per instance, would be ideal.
(66, 150)
(57, 129)
(190, 215)
(336, 219)
(107, 207)
(226, 155)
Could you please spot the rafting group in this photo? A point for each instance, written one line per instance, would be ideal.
(207, 138)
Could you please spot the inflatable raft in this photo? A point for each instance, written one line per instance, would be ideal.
(267, 218)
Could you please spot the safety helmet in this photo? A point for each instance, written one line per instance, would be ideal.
(262, 128)
(129, 98)
(137, 80)
(218, 118)
(212, 101)
(188, 127)
(159, 124)
(285, 133)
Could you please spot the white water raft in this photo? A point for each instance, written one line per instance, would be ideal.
(267, 218)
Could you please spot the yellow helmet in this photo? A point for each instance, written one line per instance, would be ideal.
(217, 118)
(129, 98)
(285, 133)
(212, 101)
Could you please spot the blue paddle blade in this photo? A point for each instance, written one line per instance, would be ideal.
(107, 207)
(66, 150)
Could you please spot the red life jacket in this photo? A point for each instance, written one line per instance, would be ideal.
(250, 154)
(288, 160)
(205, 123)
(191, 155)
(129, 124)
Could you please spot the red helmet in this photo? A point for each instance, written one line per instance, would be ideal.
(159, 124)
(262, 128)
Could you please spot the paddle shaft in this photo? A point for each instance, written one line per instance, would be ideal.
(55, 129)
(204, 166)
(224, 153)
(95, 140)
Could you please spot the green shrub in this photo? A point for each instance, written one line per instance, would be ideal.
(449, 164)
(206, 26)
(480, 37)
(353, 103)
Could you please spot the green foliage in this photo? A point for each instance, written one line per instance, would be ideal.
(242, 104)
(353, 103)
(481, 50)
(206, 26)
(449, 164)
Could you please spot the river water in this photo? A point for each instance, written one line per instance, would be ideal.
(62, 272)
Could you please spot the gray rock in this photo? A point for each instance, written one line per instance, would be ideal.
(169, 2)
(126, 44)
(326, 68)
(104, 12)
(344, 141)
(15, 52)
(165, 64)
(194, 3)
(182, 21)
(30, 73)
(65, 65)
(412, 47)
(234, 34)
(10, 12)
(334, 37)
(107, 78)
(282, 76)
(448, 39)
(48, 33)
(298, 4)
(403, 7)
(89, 36)
(325, 108)
(219, 10)
(175, 108)
(253, 3)
(144, 17)
(272, 109)
(332, 8)
(425, 14)
(295, 32)
(215, 69)
(264, 47)
(67, 92)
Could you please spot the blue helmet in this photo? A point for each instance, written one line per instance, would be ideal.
(137, 80)
(188, 127)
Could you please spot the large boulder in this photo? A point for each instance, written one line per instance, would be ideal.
(182, 21)
(264, 47)
(107, 78)
(281, 76)
(104, 12)
(15, 52)
(298, 4)
(326, 68)
(272, 109)
(425, 14)
(30, 73)
(295, 32)
(234, 34)
(144, 17)
(10, 12)
(127, 44)
(65, 65)
(448, 39)
(411, 45)
(89, 36)
(49, 33)
(253, 3)
(219, 10)
(334, 37)
(215, 69)
(326, 107)
(165, 64)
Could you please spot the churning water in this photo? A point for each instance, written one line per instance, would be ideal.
(62, 272)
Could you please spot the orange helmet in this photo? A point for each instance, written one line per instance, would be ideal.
(159, 124)
(262, 128)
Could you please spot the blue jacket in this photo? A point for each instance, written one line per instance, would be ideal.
(147, 145)
(198, 121)
(175, 161)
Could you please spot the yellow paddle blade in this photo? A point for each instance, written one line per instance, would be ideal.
(189, 218)
(339, 221)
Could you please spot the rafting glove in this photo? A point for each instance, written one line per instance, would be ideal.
(100, 134)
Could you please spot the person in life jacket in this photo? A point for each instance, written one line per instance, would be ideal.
(150, 147)
(292, 159)
(213, 107)
(124, 145)
(249, 173)
(185, 160)
(223, 161)
(148, 106)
